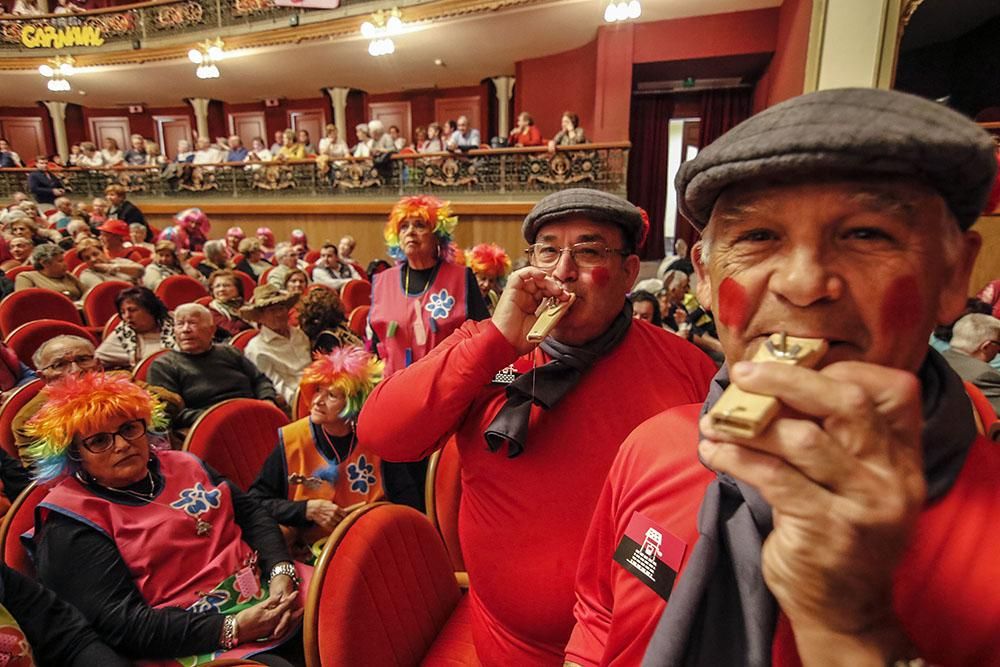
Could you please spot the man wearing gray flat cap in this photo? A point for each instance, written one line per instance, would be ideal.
(537, 425)
(856, 526)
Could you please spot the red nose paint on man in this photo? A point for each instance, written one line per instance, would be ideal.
(733, 306)
(600, 276)
(902, 308)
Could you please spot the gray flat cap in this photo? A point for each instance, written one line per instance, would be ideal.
(590, 204)
(850, 132)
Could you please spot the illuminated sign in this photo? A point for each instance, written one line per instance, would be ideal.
(48, 37)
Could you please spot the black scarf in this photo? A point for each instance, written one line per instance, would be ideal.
(548, 383)
(721, 613)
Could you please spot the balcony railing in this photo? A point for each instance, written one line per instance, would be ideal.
(127, 23)
(477, 172)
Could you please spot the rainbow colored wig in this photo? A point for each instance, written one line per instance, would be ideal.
(489, 260)
(430, 209)
(350, 369)
(85, 403)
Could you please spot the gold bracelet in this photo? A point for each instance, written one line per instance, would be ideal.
(230, 632)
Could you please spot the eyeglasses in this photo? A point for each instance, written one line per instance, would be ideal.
(585, 255)
(101, 442)
(81, 360)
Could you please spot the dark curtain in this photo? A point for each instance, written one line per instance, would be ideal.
(649, 132)
(721, 110)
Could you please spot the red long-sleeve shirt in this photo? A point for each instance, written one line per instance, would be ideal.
(522, 521)
(945, 591)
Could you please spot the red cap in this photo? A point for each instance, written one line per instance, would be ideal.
(117, 227)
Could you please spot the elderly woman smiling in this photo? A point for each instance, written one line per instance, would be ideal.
(161, 554)
(50, 273)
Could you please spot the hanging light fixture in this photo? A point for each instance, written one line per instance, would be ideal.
(205, 56)
(56, 70)
(380, 30)
(622, 11)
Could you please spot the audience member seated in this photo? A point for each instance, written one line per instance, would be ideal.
(525, 134)
(101, 268)
(646, 307)
(258, 152)
(114, 235)
(166, 262)
(204, 374)
(571, 133)
(233, 237)
(122, 209)
(99, 208)
(90, 157)
(381, 143)
(146, 327)
(490, 263)
(136, 155)
(279, 141)
(43, 185)
(253, 263)
(675, 286)
(432, 142)
(286, 260)
(62, 214)
(237, 151)
(185, 152)
(397, 139)
(137, 235)
(227, 299)
(317, 473)
(9, 158)
(162, 555)
(364, 146)
(331, 145)
(302, 138)
(196, 225)
(215, 258)
(463, 137)
(111, 153)
(206, 153)
(266, 238)
(330, 271)
(20, 253)
(323, 320)
(300, 242)
(296, 282)
(290, 148)
(975, 341)
(280, 350)
(345, 248)
(50, 273)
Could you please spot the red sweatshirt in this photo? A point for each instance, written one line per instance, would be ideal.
(945, 592)
(523, 520)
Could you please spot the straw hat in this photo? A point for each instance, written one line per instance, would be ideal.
(265, 296)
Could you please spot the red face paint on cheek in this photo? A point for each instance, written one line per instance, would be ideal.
(902, 306)
(733, 307)
(600, 276)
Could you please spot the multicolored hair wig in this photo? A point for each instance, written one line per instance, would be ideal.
(85, 403)
(430, 209)
(193, 220)
(350, 369)
(176, 235)
(235, 233)
(490, 260)
(266, 233)
(299, 238)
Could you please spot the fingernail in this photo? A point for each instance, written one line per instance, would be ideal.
(742, 369)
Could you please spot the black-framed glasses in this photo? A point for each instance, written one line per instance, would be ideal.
(101, 442)
(585, 255)
(81, 360)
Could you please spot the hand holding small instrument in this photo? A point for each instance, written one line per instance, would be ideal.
(549, 313)
(746, 415)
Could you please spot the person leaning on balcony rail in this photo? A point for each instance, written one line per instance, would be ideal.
(331, 145)
(290, 148)
(571, 133)
(8, 158)
(525, 134)
(90, 157)
(112, 154)
(136, 155)
(364, 146)
(258, 151)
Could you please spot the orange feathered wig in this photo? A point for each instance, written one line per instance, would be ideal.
(433, 211)
(490, 260)
(350, 369)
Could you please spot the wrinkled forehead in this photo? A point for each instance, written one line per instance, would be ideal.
(64, 348)
(578, 229)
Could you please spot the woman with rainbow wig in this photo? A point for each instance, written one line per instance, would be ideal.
(317, 473)
(162, 555)
(417, 304)
(491, 264)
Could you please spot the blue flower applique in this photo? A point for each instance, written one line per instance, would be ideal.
(211, 602)
(440, 304)
(197, 501)
(361, 474)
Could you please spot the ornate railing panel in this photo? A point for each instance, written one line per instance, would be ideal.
(500, 171)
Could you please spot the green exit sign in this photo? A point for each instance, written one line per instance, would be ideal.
(689, 82)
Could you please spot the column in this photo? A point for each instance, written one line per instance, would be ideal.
(505, 90)
(852, 43)
(338, 99)
(57, 112)
(200, 107)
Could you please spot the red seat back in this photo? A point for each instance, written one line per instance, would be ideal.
(20, 518)
(35, 303)
(357, 321)
(242, 339)
(249, 284)
(311, 256)
(139, 252)
(177, 290)
(12, 273)
(28, 337)
(110, 325)
(300, 406)
(981, 406)
(72, 259)
(99, 303)
(204, 301)
(381, 592)
(79, 269)
(235, 437)
(356, 293)
(17, 400)
(146, 261)
(444, 496)
(141, 370)
(262, 278)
